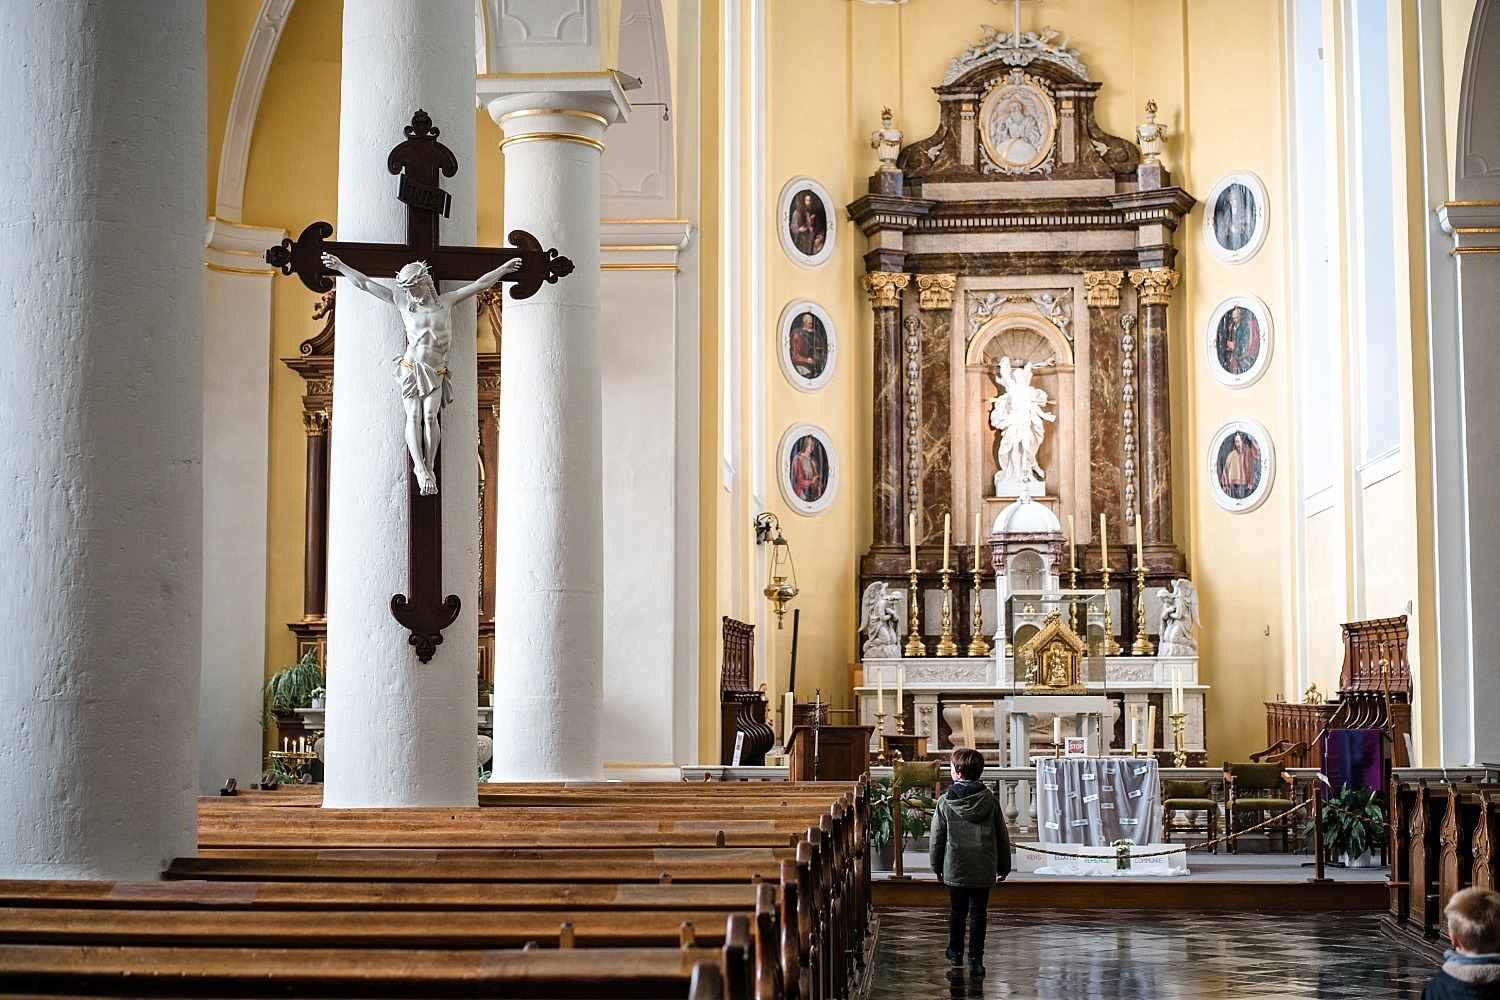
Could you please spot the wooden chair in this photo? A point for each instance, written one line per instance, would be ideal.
(1254, 792)
(1283, 752)
(1192, 797)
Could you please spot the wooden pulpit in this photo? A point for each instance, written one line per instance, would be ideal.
(829, 753)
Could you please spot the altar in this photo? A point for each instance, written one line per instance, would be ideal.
(1096, 802)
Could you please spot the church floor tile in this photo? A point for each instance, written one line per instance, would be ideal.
(1144, 955)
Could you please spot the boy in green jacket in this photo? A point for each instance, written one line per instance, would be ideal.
(970, 853)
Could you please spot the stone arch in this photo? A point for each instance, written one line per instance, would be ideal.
(1477, 159)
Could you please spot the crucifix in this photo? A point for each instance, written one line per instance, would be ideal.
(1015, 38)
(418, 264)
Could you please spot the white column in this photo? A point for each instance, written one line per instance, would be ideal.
(549, 533)
(102, 193)
(236, 413)
(400, 732)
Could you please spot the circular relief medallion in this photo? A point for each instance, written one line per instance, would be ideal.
(1241, 466)
(1018, 125)
(806, 468)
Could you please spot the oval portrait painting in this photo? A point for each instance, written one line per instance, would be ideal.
(1239, 333)
(808, 345)
(804, 213)
(1234, 217)
(1242, 465)
(808, 474)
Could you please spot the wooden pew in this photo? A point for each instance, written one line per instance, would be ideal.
(1444, 841)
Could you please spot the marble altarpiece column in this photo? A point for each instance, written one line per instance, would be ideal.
(884, 289)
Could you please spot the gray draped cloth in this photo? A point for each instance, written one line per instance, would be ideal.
(1097, 801)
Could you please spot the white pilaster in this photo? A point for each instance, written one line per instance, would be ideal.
(236, 413)
(549, 532)
(400, 732)
(102, 192)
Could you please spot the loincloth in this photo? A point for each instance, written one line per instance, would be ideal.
(419, 380)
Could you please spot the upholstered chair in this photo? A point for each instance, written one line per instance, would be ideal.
(1181, 795)
(1255, 792)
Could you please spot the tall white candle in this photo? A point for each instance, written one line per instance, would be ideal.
(1057, 729)
(947, 534)
(1072, 543)
(1135, 740)
(900, 682)
(1176, 689)
(1103, 542)
(911, 538)
(976, 541)
(786, 719)
(879, 690)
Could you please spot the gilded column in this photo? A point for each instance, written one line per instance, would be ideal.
(1106, 443)
(884, 289)
(315, 547)
(931, 436)
(1154, 286)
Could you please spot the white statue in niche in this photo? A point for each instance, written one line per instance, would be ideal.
(426, 386)
(880, 620)
(1179, 613)
(1015, 134)
(1019, 414)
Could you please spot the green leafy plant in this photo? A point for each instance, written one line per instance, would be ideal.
(1354, 821)
(483, 774)
(916, 814)
(486, 688)
(295, 686)
(274, 775)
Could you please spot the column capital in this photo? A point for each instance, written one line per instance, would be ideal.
(935, 291)
(315, 422)
(884, 288)
(573, 107)
(1155, 284)
(1103, 288)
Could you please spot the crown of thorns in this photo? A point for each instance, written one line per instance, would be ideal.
(412, 273)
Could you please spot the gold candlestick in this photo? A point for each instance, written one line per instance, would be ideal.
(1179, 748)
(914, 645)
(977, 645)
(1142, 645)
(1111, 648)
(880, 734)
(1073, 601)
(1057, 749)
(946, 646)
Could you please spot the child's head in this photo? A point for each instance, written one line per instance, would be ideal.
(967, 763)
(1474, 921)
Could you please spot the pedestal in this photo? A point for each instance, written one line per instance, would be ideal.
(1088, 710)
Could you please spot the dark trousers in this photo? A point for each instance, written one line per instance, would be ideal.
(973, 905)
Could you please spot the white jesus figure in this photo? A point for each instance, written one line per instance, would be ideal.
(1018, 415)
(426, 386)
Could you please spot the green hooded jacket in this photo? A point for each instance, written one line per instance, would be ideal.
(970, 847)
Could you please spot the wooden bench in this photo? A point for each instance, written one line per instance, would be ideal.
(1443, 841)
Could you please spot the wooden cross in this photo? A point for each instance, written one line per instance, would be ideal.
(418, 160)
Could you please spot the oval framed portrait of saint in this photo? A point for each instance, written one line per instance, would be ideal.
(807, 469)
(808, 345)
(805, 222)
(1238, 340)
(1241, 466)
(1235, 217)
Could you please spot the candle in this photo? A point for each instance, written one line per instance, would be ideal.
(947, 534)
(786, 719)
(1139, 559)
(1135, 740)
(1150, 730)
(285, 744)
(1057, 729)
(879, 690)
(1072, 537)
(968, 725)
(911, 537)
(1176, 689)
(1103, 543)
(976, 542)
(900, 683)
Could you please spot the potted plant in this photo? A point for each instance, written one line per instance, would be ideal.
(486, 692)
(915, 812)
(293, 687)
(1354, 823)
(319, 698)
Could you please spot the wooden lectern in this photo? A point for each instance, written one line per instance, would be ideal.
(829, 753)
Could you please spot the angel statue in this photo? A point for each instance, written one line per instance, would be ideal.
(1179, 613)
(1018, 414)
(880, 620)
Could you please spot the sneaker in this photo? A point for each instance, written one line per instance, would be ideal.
(954, 958)
(976, 967)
